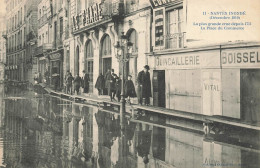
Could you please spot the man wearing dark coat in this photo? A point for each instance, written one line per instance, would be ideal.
(143, 143)
(77, 82)
(85, 82)
(107, 82)
(100, 83)
(118, 88)
(55, 79)
(144, 85)
(112, 84)
(69, 80)
(129, 88)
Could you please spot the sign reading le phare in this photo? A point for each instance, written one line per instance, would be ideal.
(90, 15)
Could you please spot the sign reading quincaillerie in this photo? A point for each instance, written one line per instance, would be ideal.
(242, 57)
(207, 59)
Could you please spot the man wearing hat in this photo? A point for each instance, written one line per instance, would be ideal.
(85, 82)
(144, 86)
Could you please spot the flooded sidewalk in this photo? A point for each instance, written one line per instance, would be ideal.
(46, 131)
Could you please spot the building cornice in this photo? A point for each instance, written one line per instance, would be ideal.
(205, 48)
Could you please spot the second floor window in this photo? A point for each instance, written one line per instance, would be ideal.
(174, 30)
(61, 28)
(168, 28)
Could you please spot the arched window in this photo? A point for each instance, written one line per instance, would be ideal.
(131, 66)
(106, 58)
(106, 46)
(89, 63)
(89, 49)
(77, 61)
(79, 6)
(134, 39)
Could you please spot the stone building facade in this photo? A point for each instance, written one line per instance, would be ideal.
(97, 26)
(2, 47)
(20, 21)
(52, 31)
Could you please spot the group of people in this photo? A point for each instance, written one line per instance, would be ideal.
(109, 83)
(112, 83)
(77, 82)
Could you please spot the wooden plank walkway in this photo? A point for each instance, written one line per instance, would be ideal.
(197, 117)
(159, 110)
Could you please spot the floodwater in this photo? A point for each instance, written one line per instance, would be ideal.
(41, 131)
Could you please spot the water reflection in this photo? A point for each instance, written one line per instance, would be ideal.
(51, 132)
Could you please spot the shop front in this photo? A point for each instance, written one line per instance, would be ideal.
(223, 81)
(241, 82)
(43, 66)
(56, 68)
(188, 81)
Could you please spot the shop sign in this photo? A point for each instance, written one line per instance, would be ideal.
(90, 15)
(42, 58)
(55, 56)
(159, 16)
(207, 59)
(156, 3)
(241, 58)
(211, 92)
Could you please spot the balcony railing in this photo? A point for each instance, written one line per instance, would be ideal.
(172, 41)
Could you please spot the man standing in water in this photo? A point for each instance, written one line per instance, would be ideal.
(85, 82)
(144, 86)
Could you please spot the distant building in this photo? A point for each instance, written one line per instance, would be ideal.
(52, 26)
(2, 47)
(97, 26)
(20, 18)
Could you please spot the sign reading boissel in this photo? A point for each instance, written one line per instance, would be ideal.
(241, 58)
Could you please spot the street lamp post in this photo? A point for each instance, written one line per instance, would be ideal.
(123, 52)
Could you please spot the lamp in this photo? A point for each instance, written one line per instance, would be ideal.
(123, 50)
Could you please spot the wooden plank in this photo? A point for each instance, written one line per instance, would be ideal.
(232, 145)
(197, 117)
(175, 113)
(238, 124)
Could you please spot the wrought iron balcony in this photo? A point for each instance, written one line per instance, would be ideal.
(171, 41)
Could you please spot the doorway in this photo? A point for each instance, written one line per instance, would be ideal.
(76, 61)
(249, 92)
(159, 88)
(107, 64)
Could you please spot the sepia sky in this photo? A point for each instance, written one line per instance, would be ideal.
(2, 7)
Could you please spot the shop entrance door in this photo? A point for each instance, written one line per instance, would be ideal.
(250, 107)
(159, 88)
(106, 65)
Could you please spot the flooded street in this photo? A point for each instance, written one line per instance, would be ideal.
(48, 132)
